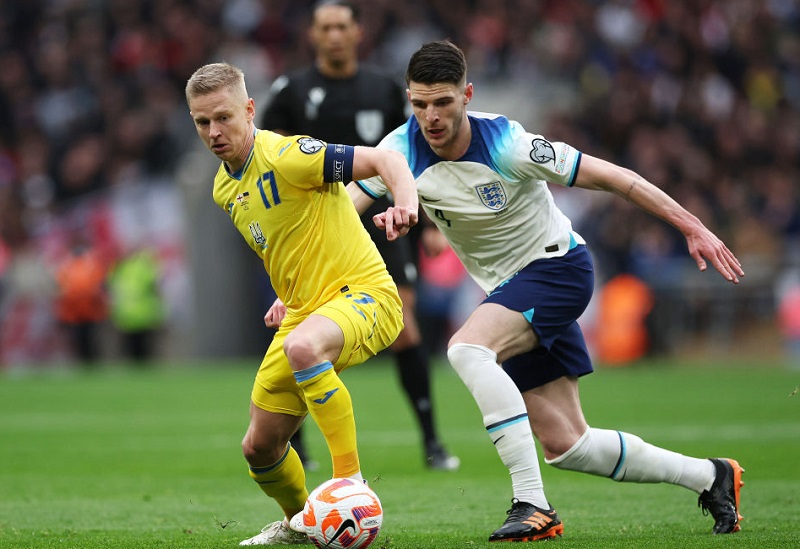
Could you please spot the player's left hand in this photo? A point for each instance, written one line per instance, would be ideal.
(396, 221)
(275, 314)
(707, 246)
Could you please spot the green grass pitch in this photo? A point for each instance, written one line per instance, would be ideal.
(121, 458)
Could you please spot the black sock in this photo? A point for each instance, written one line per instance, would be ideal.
(297, 443)
(414, 370)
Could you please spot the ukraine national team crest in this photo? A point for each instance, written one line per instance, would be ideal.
(493, 195)
(369, 126)
(258, 234)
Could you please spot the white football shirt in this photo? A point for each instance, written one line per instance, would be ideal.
(492, 204)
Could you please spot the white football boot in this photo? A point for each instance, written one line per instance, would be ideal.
(280, 533)
(296, 523)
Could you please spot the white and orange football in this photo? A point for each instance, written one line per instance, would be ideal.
(343, 514)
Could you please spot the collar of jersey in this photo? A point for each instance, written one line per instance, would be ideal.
(483, 132)
(240, 172)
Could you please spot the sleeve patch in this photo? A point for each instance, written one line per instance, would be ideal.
(542, 151)
(338, 164)
(309, 145)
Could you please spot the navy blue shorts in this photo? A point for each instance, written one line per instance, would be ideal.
(551, 293)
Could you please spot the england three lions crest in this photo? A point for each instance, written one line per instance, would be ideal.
(493, 195)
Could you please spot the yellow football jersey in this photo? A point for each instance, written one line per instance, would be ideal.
(290, 205)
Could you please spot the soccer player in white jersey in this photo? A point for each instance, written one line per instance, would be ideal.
(483, 179)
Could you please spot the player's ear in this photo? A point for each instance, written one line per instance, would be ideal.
(468, 91)
(250, 109)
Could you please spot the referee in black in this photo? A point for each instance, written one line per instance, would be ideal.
(340, 101)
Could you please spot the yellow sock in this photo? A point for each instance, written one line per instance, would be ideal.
(284, 481)
(329, 403)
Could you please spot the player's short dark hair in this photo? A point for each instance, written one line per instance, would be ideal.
(343, 3)
(435, 62)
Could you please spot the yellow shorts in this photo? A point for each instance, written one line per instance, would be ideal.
(370, 318)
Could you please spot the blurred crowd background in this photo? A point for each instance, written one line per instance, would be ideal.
(110, 246)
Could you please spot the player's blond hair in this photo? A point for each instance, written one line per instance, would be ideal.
(214, 77)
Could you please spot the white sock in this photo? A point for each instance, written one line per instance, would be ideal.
(358, 477)
(627, 458)
(504, 416)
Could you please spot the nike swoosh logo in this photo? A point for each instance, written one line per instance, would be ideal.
(328, 395)
(349, 523)
(498, 439)
(280, 152)
(426, 199)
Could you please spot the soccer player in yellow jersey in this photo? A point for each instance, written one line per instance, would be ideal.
(338, 305)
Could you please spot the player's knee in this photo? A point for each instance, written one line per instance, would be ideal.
(568, 455)
(556, 435)
(301, 352)
(555, 444)
(465, 357)
(455, 340)
(457, 354)
(262, 450)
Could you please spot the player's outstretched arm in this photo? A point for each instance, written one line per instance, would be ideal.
(703, 245)
(393, 169)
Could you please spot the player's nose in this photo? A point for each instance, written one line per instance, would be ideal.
(431, 114)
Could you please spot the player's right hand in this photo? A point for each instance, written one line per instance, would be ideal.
(396, 221)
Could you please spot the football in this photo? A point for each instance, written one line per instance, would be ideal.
(342, 513)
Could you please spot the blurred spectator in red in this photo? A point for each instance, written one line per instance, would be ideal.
(82, 302)
(620, 331)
